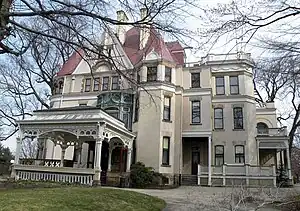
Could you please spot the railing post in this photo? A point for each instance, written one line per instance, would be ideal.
(247, 174)
(274, 176)
(199, 173)
(224, 174)
(209, 161)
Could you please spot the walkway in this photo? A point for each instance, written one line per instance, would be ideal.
(194, 198)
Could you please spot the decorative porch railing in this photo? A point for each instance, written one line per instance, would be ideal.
(272, 132)
(54, 174)
(239, 172)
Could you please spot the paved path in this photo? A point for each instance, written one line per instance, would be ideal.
(194, 198)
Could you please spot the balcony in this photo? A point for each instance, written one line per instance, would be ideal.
(272, 132)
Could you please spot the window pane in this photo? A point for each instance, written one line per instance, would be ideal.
(220, 90)
(167, 101)
(219, 150)
(219, 161)
(218, 123)
(234, 80)
(168, 74)
(238, 112)
(196, 112)
(87, 84)
(195, 78)
(239, 149)
(166, 143)
(234, 89)
(105, 83)
(151, 73)
(115, 83)
(220, 81)
(218, 113)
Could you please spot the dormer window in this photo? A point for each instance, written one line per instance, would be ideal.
(168, 74)
(87, 85)
(152, 73)
(115, 85)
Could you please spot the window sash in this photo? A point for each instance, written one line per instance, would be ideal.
(151, 73)
(219, 155)
(196, 112)
(105, 83)
(166, 151)
(115, 83)
(195, 79)
(239, 154)
(234, 85)
(220, 86)
(238, 118)
(167, 108)
(97, 84)
(168, 74)
(218, 118)
(87, 85)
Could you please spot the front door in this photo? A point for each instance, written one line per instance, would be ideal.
(195, 162)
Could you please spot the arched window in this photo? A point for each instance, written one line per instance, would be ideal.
(262, 128)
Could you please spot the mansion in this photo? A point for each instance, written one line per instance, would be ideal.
(199, 120)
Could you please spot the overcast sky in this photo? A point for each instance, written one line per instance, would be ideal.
(219, 48)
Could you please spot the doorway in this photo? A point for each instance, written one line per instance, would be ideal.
(195, 162)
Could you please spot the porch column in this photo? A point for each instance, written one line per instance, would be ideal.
(98, 149)
(209, 161)
(128, 159)
(288, 163)
(79, 153)
(109, 160)
(62, 157)
(18, 150)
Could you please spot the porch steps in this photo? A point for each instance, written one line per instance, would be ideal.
(187, 179)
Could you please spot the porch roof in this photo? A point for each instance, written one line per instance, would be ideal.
(272, 145)
(80, 121)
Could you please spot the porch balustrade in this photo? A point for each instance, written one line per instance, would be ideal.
(238, 171)
(272, 132)
(61, 174)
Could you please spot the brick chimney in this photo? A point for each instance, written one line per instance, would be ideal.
(145, 28)
(122, 29)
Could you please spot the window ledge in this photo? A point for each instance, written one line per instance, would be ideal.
(165, 165)
(196, 123)
(196, 87)
(238, 129)
(219, 130)
(168, 121)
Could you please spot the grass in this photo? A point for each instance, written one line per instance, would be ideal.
(63, 199)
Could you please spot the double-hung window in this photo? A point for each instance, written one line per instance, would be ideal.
(234, 85)
(87, 84)
(166, 151)
(219, 155)
(196, 112)
(220, 86)
(218, 118)
(238, 118)
(195, 80)
(239, 154)
(105, 83)
(167, 109)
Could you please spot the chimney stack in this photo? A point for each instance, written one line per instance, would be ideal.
(122, 29)
(144, 28)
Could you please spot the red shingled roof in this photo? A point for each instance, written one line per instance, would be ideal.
(177, 51)
(69, 67)
(155, 42)
(170, 51)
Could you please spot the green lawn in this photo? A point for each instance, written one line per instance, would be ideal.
(61, 199)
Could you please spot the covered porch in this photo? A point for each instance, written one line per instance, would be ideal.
(273, 149)
(81, 144)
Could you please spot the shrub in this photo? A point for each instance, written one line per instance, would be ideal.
(142, 176)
